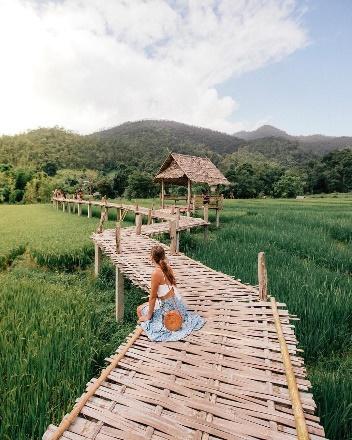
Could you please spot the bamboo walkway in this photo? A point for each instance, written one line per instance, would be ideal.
(226, 381)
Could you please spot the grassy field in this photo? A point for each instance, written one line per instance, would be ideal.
(58, 322)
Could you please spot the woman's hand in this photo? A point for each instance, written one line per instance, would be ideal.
(142, 319)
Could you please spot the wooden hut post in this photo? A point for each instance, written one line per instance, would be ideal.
(162, 193)
(97, 260)
(188, 197)
(139, 220)
(262, 277)
(89, 214)
(206, 212)
(173, 237)
(79, 208)
(119, 295)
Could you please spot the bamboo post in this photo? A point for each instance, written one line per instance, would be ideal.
(118, 237)
(152, 221)
(173, 238)
(262, 277)
(79, 209)
(149, 216)
(139, 220)
(206, 212)
(119, 214)
(188, 197)
(67, 421)
(119, 295)
(63, 206)
(217, 217)
(193, 205)
(97, 260)
(89, 210)
(177, 242)
(69, 207)
(162, 193)
(300, 421)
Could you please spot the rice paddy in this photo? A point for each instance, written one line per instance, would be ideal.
(58, 322)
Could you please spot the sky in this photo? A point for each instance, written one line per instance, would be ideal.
(229, 65)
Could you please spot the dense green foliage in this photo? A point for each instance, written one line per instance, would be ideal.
(122, 161)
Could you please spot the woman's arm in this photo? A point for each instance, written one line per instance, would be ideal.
(155, 282)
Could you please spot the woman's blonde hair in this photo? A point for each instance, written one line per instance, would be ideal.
(158, 255)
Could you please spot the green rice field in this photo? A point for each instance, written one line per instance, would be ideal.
(57, 321)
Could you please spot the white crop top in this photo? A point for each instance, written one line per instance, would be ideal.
(163, 289)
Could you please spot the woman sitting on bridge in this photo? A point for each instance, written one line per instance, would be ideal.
(170, 320)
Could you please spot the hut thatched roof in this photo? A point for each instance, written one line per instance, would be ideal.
(178, 168)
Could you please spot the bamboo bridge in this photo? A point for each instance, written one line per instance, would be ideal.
(239, 377)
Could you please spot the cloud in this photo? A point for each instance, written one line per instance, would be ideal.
(88, 64)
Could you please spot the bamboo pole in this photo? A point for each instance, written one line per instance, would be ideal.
(173, 237)
(97, 259)
(300, 421)
(139, 219)
(262, 277)
(162, 193)
(118, 237)
(67, 421)
(89, 214)
(149, 216)
(119, 295)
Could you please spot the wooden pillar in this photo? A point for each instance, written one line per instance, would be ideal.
(139, 220)
(188, 197)
(89, 210)
(119, 214)
(162, 193)
(97, 259)
(217, 218)
(206, 212)
(177, 242)
(262, 277)
(119, 295)
(79, 209)
(173, 237)
(206, 218)
(69, 207)
(63, 206)
(118, 237)
(149, 216)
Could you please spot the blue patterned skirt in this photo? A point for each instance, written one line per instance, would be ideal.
(155, 329)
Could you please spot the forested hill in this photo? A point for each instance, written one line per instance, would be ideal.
(171, 134)
(316, 143)
(141, 145)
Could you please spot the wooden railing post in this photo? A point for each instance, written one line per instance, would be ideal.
(89, 210)
(149, 216)
(139, 220)
(97, 260)
(63, 206)
(79, 209)
(118, 237)
(119, 295)
(206, 212)
(173, 237)
(262, 277)
(69, 207)
(217, 217)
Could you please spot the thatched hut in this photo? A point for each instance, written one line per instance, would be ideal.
(182, 169)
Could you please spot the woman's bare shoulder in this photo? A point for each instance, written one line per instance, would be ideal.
(157, 274)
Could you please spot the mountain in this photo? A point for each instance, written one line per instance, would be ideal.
(265, 131)
(316, 143)
(174, 135)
